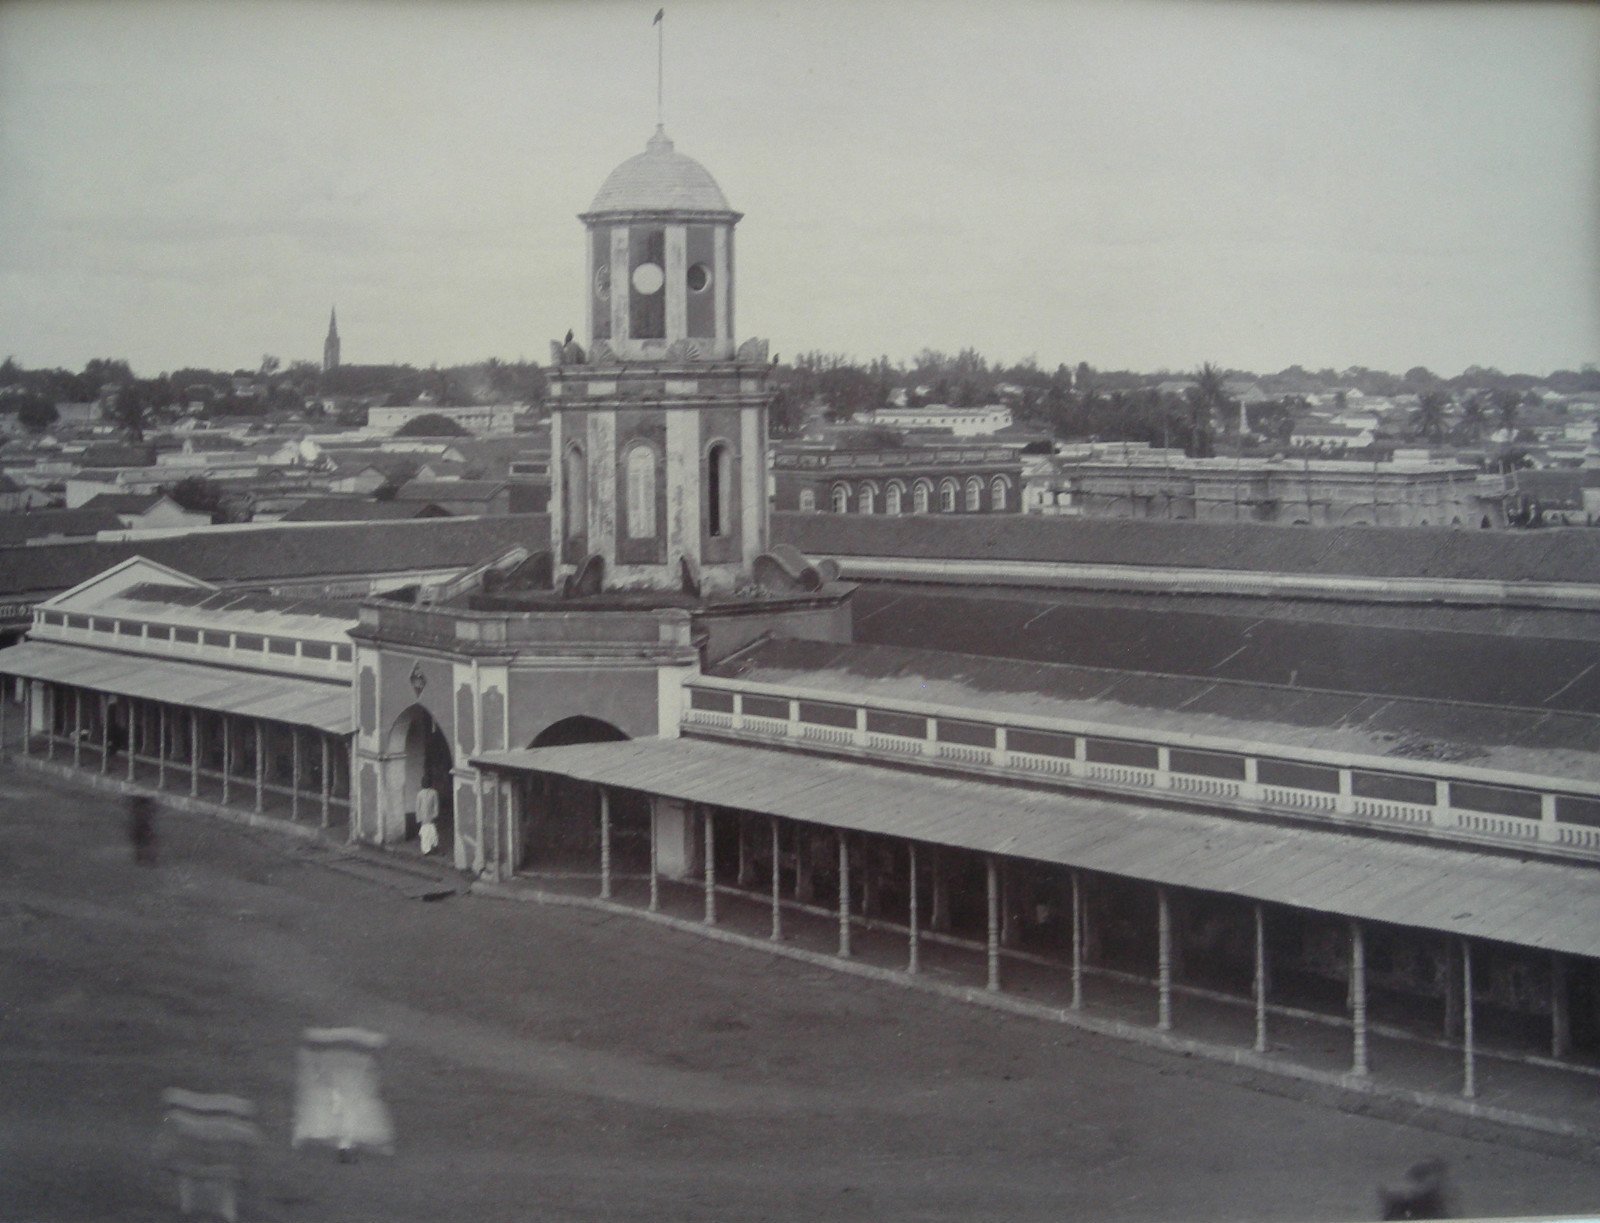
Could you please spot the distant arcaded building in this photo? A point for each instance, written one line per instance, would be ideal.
(1130, 480)
(954, 479)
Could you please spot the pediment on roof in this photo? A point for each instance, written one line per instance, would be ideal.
(135, 571)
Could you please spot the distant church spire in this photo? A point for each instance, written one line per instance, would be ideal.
(330, 346)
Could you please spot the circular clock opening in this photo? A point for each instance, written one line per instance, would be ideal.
(699, 278)
(648, 278)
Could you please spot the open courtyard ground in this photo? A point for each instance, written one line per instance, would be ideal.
(556, 1063)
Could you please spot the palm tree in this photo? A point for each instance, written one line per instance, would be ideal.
(1428, 423)
(1474, 415)
(1206, 399)
(1507, 406)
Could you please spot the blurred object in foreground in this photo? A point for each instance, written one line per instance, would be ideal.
(1424, 1193)
(336, 1092)
(142, 828)
(206, 1142)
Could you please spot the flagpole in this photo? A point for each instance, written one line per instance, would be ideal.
(661, 37)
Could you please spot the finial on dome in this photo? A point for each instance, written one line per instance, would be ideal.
(660, 142)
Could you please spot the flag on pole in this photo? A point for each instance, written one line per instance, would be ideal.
(660, 13)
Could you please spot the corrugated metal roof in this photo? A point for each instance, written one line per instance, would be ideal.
(278, 698)
(1532, 903)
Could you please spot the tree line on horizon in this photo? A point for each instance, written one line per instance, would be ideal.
(1067, 401)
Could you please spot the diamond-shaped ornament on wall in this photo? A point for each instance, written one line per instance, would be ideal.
(419, 681)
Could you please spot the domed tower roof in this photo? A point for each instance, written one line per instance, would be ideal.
(660, 180)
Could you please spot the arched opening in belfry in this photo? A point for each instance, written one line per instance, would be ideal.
(421, 759)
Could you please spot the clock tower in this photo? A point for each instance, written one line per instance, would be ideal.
(659, 428)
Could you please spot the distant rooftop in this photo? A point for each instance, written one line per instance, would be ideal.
(1387, 552)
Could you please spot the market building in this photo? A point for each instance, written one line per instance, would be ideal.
(1132, 480)
(648, 701)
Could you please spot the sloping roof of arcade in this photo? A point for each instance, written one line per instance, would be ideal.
(1542, 904)
(276, 698)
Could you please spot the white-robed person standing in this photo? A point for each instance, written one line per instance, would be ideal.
(428, 818)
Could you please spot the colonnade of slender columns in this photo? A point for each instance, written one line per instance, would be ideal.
(913, 918)
(1358, 1000)
(655, 870)
(152, 734)
(1077, 941)
(1469, 1077)
(708, 824)
(1560, 1008)
(1000, 895)
(844, 895)
(991, 880)
(605, 844)
(777, 882)
(1163, 961)
(1259, 979)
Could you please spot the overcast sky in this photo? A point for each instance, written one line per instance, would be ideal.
(1137, 184)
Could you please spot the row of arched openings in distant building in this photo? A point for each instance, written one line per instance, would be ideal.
(896, 498)
(641, 475)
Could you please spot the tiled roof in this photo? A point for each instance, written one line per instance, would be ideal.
(1561, 744)
(1539, 660)
(105, 454)
(285, 553)
(1380, 552)
(42, 524)
(356, 509)
(449, 490)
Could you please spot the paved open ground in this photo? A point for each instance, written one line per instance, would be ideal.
(551, 1063)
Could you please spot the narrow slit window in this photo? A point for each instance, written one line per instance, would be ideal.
(719, 490)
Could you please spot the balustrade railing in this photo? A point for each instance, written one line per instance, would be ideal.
(260, 651)
(1565, 820)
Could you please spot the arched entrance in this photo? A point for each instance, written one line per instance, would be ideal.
(577, 730)
(561, 824)
(421, 754)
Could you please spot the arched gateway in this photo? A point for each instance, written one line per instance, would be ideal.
(418, 753)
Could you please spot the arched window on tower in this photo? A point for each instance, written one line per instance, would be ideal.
(574, 493)
(867, 499)
(921, 494)
(719, 490)
(808, 500)
(640, 475)
(841, 498)
(947, 496)
(974, 495)
(892, 497)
